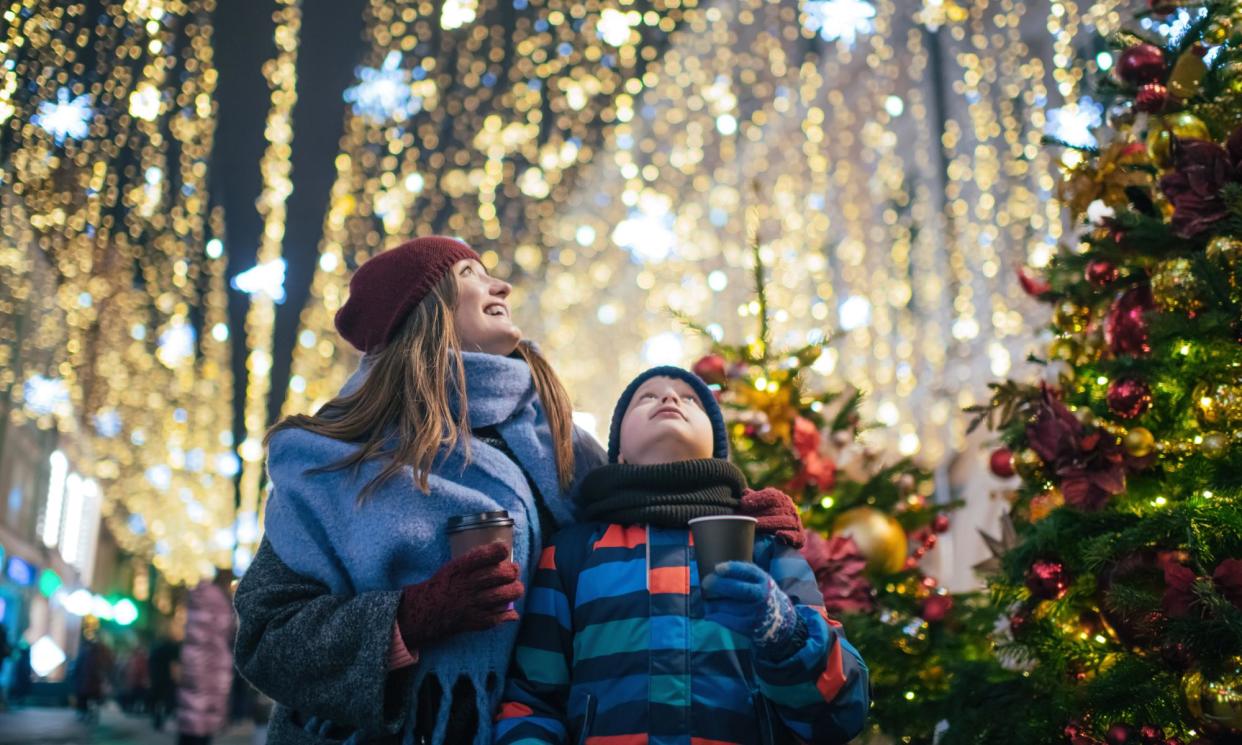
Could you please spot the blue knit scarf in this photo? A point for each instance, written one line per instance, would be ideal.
(396, 538)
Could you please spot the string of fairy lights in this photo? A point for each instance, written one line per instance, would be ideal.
(113, 327)
(892, 152)
(275, 169)
(470, 127)
(600, 154)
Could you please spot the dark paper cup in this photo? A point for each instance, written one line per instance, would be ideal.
(468, 532)
(720, 539)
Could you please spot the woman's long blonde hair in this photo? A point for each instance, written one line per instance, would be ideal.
(405, 397)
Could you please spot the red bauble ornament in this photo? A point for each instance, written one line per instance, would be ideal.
(1047, 580)
(1018, 621)
(1120, 734)
(1151, 735)
(1032, 284)
(936, 607)
(1001, 462)
(1129, 397)
(1125, 328)
(1101, 273)
(711, 369)
(940, 523)
(1152, 98)
(1141, 63)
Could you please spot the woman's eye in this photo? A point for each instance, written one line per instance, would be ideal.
(648, 395)
(467, 270)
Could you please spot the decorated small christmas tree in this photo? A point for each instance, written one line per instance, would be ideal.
(1119, 579)
(869, 522)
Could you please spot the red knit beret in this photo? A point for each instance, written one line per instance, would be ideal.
(388, 286)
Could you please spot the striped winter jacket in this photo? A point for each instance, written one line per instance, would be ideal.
(615, 650)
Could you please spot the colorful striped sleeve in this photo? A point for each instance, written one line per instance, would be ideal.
(821, 692)
(533, 708)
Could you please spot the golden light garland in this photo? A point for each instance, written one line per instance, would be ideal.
(899, 173)
(275, 168)
(495, 117)
(112, 325)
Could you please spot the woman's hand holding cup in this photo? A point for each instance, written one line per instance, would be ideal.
(472, 592)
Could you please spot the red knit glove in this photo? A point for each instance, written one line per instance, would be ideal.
(776, 513)
(470, 593)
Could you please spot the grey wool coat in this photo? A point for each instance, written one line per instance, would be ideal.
(315, 651)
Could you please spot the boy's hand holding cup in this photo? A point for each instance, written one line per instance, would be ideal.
(744, 598)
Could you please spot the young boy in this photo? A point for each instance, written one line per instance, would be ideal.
(621, 646)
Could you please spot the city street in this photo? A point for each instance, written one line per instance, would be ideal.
(58, 726)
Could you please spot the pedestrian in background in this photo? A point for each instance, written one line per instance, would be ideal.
(206, 662)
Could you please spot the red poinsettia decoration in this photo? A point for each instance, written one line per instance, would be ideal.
(1179, 580)
(814, 468)
(840, 571)
(1201, 171)
(1089, 465)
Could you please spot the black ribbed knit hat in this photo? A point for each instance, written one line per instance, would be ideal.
(720, 438)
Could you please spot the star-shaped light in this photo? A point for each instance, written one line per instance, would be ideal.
(842, 20)
(46, 395)
(385, 93)
(614, 26)
(176, 344)
(67, 116)
(107, 423)
(1073, 122)
(647, 233)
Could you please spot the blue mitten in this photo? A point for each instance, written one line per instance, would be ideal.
(744, 598)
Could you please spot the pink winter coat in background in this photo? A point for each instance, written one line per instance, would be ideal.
(206, 662)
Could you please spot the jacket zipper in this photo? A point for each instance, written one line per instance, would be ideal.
(587, 720)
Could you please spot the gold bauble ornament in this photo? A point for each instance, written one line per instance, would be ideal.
(1215, 444)
(1218, 405)
(1175, 288)
(1139, 442)
(1064, 348)
(1160, 135)
(1071, 317)
(1160, 146)
(1028, 464)
(1225, 251)
(1215, 702)
(880, 538)
(1187, 126)
(1186, 80)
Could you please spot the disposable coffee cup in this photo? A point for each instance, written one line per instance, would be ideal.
(722, 538)
(468, 532)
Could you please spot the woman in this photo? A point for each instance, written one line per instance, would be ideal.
(206, 672)
(352, 616)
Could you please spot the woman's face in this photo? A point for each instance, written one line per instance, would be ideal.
(482, 314)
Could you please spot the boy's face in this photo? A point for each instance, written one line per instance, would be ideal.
(665, 423)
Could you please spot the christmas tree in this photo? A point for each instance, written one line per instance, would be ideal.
(869, 522)
(1118, 579)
